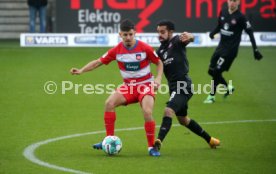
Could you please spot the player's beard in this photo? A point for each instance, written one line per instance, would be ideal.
(163, 40)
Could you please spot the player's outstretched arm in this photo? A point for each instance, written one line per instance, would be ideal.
(186, 37)
(89, 67)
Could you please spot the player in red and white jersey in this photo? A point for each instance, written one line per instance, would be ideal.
(133, 58)
(134, 62)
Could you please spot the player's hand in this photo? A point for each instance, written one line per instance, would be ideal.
(75, 71)
(156, 84)
(186, 37)
(212, 36)
(257, 55)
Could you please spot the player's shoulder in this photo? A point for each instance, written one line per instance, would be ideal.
(224, 12)
(116, 48)
(143, 45)
(175, 41)
(240, 16)
(175, 38)
(240, 13)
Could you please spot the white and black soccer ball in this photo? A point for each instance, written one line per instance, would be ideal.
(112, 145)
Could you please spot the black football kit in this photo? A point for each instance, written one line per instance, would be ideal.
(176, 68)
(230, 27)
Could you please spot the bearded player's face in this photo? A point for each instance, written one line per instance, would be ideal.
(163, 33)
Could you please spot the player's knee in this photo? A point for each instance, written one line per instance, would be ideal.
(109, 105)
(168, 112)
(147, 112)
(187, 120)
(184, 121)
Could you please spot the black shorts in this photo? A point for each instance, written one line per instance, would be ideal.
(179, 103)
(220, 63)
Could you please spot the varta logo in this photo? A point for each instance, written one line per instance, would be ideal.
(46, 40)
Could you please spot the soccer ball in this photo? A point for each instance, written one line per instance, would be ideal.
(112, 145)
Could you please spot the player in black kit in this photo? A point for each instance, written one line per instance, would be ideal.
(231, 23)
(176, 67)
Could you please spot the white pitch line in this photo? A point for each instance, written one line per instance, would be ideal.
(29, 152)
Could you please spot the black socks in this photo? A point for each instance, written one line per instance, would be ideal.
(165, 127)
(196, 128)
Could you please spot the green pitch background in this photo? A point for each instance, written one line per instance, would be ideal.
(29, 115)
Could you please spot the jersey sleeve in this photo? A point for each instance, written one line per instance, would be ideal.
(152, 55)
(217, 28)
(179, 43)
(248, 29)
(108, 57)
(245, 23)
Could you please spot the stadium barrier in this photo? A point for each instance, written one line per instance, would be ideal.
(109, 40)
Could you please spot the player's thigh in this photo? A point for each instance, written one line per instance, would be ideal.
(129, 92)
(217, 68)
(179, 103)
(147, 104)
(115, 99)
(214, 60)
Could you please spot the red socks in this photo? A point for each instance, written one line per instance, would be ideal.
(109, 120)
(150, 132)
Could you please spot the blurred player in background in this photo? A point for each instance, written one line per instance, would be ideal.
(231, 23)
(176, 67)
(133, 58)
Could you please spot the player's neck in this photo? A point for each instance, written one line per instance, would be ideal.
(232, 11)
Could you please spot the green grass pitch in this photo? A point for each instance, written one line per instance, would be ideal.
(29, 115)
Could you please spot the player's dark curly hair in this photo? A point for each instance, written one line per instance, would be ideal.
(127, 25)
(167, 23)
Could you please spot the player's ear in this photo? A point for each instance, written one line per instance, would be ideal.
(171, 32)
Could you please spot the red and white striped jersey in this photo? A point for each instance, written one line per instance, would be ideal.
(134, 63)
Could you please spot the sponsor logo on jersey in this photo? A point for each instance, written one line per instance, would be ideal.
(233, 21)
(132, 66)
(226, 33)
(138, 56)
(165, 55)
(226, 26)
